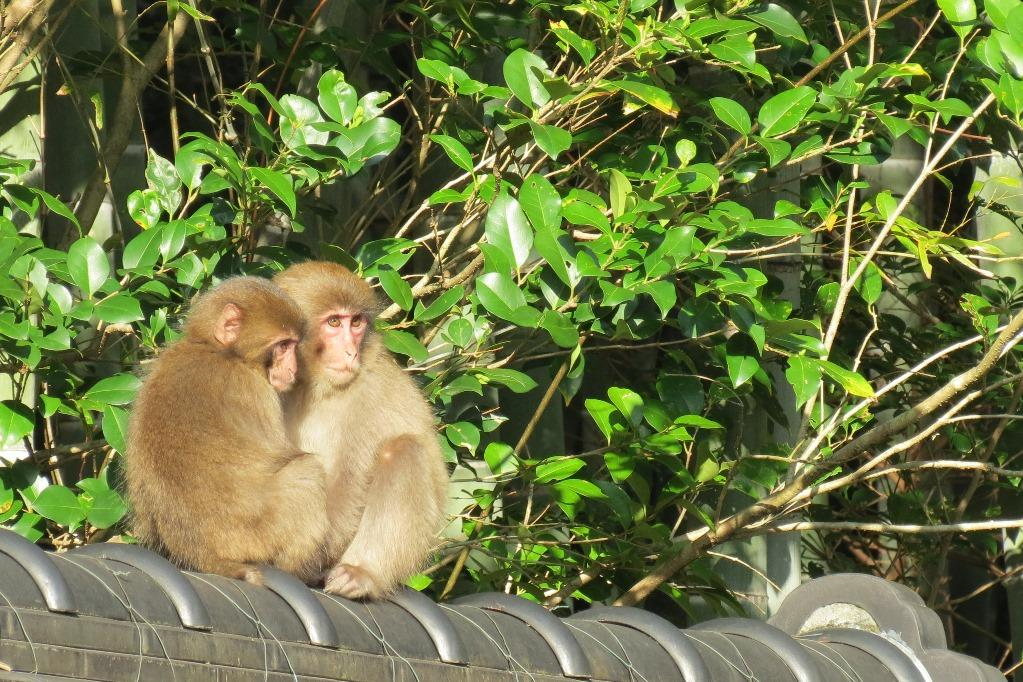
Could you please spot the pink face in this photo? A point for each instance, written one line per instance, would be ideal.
(283, 364)
(341, 333)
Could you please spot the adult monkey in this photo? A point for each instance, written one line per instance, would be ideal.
(212, 478)
(373, 430)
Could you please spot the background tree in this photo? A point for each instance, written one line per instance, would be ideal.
(674, 274)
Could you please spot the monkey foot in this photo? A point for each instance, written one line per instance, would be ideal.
(351, 582)
(252, 574)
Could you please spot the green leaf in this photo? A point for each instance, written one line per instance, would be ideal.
(115, 426)
(779, 21)
(732, 114)
(561, 328)
(777, 150)
(785, 111)
(735, 49)
(459, 332)
(620, 187)
(804, 374)
(961, 14)
(297, 116)
(1009, 92)
(514, 380)
(507, 229)
(434, 69)
(585, 48)
(551, 139)
(523, 72)
(557, 468)
(464, 435)
(541, 203)
(455, 150)
(656, 97)
(105, 509)
(405, 343)
(441, 304)
(601, 411)
(59, 504)
(998, 12)
(118, 309)
(116, 390)
(699, 177)
(28, 527)
(16, 422)
(664, 294)
(87, 265)
(336, 97)
(396, 288)
(870, 284)
(278, 183)
(144, 250)
(56, 206)
(740, 359)
(628, 402)
(847, 379)
(580, 487)
(163, 179)
(500, 458)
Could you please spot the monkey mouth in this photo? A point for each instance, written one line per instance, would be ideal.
(343, 370)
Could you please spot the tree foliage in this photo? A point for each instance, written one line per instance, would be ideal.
(668, 226)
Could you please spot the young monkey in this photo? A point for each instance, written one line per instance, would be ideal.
(369, 424)
(211, 476)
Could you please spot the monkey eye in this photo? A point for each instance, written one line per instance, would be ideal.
(358, 321)
(334, 320)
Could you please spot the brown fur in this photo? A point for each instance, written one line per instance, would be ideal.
(212, 478)
(387, 481)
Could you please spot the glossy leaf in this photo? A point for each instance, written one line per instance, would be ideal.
(847, 379)
(59, 504)
(961, 14)
(118, 309)
(551, 139)
(557, 468)
(506, 228)
(397, 289)
(784, 111)
(455, 150)
(804, 375)
(115, 427)
(336, 97)
(523, 73)
(778, 20)
(87, 265)
(16, 422)
(732, 114)
(404, 343)
(116, 390)
(279, 184)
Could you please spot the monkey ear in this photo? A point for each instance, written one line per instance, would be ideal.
(229, 325)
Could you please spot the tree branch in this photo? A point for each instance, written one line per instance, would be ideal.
(123, 121)
(805, 479)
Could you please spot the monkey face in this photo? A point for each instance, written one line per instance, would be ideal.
(341, 334)
(282, 364)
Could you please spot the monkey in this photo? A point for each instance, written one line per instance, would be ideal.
(372, 429)
(210, 474)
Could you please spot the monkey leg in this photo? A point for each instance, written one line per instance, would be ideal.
(404, 505)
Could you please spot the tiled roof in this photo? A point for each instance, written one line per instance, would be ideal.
(119, 612)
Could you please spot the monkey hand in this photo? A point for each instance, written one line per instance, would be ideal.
(351, 582)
